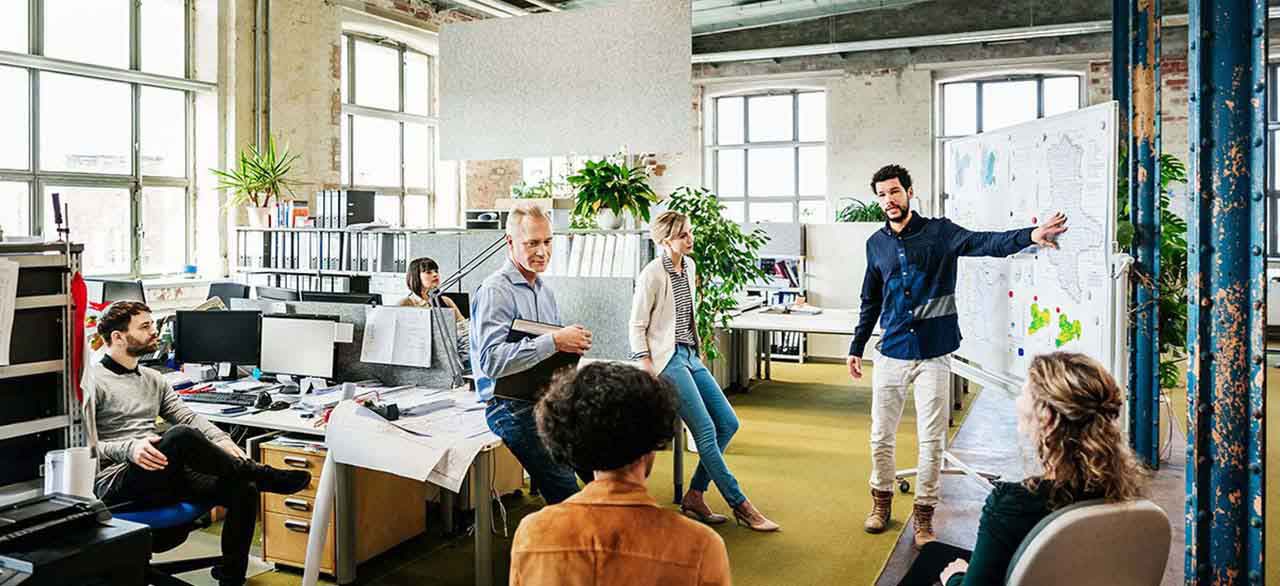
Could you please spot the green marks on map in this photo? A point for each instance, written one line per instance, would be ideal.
(1039, 319)
(1068, 330)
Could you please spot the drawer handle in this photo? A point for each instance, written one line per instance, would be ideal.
(297, 462)
(297, 526)
(297, 505)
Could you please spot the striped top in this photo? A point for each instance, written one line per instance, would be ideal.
(685, 321)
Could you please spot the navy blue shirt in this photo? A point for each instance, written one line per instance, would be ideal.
(910, 284)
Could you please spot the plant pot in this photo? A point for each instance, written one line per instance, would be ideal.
(258, 217)
(608, 220)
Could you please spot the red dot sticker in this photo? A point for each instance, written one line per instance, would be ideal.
(1058, 309)
(1011, 294)
(1034, 220)
(1036, 298)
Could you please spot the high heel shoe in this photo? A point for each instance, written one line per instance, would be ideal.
(746, 514)
(707, 516)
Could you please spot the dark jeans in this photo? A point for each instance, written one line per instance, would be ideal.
(198, 471)
(513, 421)
(934, 557)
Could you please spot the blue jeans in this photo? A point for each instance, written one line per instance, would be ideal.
(513, 422)
(710, 417)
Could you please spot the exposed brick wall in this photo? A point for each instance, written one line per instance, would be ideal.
(1173, 99)
(489, 180)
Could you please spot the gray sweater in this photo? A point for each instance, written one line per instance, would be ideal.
(127, 407)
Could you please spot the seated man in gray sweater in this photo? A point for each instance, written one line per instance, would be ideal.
(192, 461)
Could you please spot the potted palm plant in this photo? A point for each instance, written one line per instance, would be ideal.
(262, 176)
(608, 189)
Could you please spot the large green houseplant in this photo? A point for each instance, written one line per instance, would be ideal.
(1172, 284)
(260, 177)
(727, 259)
(608, 188)
(859, 211)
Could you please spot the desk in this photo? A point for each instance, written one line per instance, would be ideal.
(830, 321)
(336, 483)
(113, 554)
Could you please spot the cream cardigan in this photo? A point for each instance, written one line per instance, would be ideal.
(653, 311)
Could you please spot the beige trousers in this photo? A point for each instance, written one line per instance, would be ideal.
(889, 383)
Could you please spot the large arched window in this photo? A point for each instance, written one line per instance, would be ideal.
(766, 155)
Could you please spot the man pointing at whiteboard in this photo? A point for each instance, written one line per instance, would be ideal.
(910, 287)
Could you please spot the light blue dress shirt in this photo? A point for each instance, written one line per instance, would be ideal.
(504, 296)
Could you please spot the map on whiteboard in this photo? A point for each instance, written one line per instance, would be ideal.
(1038, 301)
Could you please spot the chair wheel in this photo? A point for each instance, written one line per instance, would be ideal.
(904, 487)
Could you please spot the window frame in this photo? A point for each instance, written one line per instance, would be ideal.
(34, 63)
(351, 109)
(940, 139)
(712, 148)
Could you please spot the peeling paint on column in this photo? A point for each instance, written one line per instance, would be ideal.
(1144, 213)
(1226, 460)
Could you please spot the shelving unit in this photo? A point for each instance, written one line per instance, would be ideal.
(38, 405)
(783, 289)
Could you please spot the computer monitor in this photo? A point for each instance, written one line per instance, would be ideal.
(228, 291)
(206, 337)
(118, 290)
(276, 294)
(462, 300)
(331, 297)
(301, 345)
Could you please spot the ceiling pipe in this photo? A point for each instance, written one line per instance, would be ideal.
(485, 8)
(993, 36)
(548, 7)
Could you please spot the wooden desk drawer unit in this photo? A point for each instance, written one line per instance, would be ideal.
(389, 510)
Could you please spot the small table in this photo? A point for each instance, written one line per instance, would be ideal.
(830, 321)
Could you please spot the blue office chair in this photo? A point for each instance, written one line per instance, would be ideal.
(170, 526)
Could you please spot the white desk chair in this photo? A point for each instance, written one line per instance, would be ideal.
(1095, 542)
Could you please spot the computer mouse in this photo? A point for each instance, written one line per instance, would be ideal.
(279, 406)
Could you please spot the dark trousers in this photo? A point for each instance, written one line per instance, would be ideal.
(513, 421)
(934, 557)
(198, 471)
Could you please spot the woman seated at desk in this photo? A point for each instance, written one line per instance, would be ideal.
(422, 278)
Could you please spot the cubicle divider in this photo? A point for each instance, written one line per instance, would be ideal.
(600, 304)
(347, 364)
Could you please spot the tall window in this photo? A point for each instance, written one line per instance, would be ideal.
(110, 133)
(974, 106)
(389, 127)
(766, 155)
(1273, 183)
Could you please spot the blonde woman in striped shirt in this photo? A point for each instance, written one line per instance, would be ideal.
(664, 338)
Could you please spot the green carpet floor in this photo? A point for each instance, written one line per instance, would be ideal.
(801, 455)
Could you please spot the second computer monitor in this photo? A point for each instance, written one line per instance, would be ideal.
(276, 294)
(300, 345)
(206, 337)
(331, 297)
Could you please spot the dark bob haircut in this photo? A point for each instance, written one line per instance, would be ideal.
(413, 277)
(888, 172)
(606, 415)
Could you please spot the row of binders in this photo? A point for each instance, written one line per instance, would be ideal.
(596, 255)
(324, 251)
(300, 282)
(785, 343)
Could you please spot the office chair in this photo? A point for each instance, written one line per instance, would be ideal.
(226, 291)
(170, 525)
(1095, 542)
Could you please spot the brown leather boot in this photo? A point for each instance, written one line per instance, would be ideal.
(881, 510)
(923, 515)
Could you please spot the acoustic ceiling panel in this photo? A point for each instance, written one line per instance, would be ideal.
(580, 81)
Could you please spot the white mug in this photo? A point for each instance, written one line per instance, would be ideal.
(70, 471)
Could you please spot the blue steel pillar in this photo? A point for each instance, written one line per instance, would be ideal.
(1144, 213)
(1226, 378)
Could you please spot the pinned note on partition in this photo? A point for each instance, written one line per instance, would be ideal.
(344, 333)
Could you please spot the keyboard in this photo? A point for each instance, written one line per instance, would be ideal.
(259, 400)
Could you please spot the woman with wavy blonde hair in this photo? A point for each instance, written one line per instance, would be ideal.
(1069, 409)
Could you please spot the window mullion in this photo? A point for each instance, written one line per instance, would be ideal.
(978, 105)
(795, 156)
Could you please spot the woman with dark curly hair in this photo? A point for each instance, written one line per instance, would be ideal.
(1069, 409)
(610, 418)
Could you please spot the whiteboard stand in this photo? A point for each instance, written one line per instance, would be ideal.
(950, 463)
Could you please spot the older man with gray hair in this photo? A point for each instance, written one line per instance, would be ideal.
(516, 292)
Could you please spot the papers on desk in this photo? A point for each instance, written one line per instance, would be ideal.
(8, 304)
(397, 335)
(360, 437)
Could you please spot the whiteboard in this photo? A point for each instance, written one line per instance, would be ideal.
(1038, 301)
